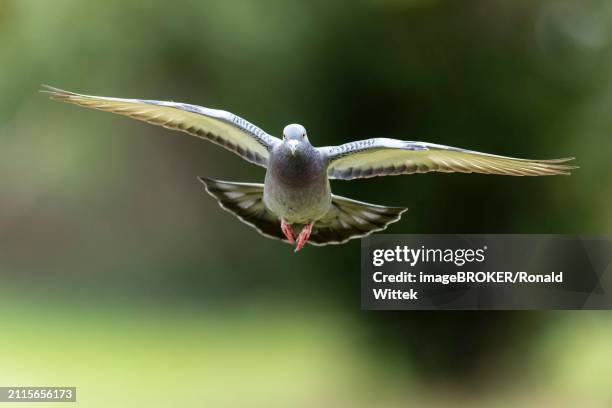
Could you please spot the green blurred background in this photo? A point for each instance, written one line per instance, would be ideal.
(120, 276)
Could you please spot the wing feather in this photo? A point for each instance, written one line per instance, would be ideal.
(220, 127)
(386, 157)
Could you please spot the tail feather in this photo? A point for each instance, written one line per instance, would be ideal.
(346, 219)
(245, 201)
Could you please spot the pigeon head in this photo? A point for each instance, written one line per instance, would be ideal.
(294, 136)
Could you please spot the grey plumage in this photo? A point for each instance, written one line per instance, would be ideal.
(345, 219)
(296, 194)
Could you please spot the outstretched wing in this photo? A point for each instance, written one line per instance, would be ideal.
(217, 126)
(387, 157)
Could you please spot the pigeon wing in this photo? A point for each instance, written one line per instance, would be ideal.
(220, 127)
(387, 157)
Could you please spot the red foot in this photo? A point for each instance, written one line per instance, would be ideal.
(303, 237)
(288, 231)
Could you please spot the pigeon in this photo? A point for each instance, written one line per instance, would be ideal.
(295, 203)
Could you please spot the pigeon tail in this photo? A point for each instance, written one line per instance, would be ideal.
(346, 219)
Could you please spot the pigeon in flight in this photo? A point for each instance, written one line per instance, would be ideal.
(295, 204)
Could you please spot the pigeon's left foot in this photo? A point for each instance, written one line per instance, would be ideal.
(303, 237)
(288, 231)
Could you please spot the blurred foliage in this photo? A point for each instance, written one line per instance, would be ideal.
(102, 210)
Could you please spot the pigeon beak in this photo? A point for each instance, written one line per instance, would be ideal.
(293, 144)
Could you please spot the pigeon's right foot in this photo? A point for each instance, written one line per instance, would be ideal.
(303, 237)
(288, 231)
